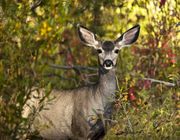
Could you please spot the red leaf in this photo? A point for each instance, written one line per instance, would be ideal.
(131, 94)
(173, 60)
(69, 59)
(132, 97)
(147, 84)
(162, 2)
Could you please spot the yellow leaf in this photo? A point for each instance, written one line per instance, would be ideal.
(118, 10)
(40, 11)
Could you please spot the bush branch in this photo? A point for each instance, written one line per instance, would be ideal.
(76, 67)
(160, 81)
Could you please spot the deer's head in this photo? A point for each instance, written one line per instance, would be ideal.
(108, 50)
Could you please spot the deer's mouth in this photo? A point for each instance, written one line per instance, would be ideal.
(108, 64)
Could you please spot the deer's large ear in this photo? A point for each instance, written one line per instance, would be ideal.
(87, 37)
(129, 37)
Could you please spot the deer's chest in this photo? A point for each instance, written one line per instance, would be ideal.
(100, 107)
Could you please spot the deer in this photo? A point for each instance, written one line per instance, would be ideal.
(81, 113)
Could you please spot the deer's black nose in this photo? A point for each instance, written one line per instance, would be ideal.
(108, 63)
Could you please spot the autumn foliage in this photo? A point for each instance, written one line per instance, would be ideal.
(38, 35)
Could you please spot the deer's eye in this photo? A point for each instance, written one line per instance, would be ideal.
(116, 51)
(99, 50)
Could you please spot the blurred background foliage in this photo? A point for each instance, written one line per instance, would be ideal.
(38, 36)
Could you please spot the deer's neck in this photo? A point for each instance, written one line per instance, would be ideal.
(107, 82)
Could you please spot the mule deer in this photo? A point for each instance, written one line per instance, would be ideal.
(74, 114)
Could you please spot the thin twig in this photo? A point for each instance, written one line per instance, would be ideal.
(77, 67)
(80, 68)
(128, 119)
(124, 110)
(36, 4)
(160, 81)
(111, 120)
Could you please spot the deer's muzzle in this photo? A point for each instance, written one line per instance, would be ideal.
(108, 64)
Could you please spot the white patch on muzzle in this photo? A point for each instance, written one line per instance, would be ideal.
(108, 68)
